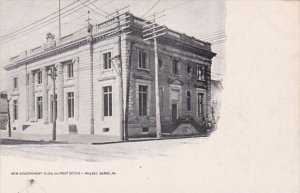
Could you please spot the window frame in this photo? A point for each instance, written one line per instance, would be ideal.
(175, 71)
(142, 57)
(201, 69)
(160, 63)
(189, 69)
(71, 104)
(106, 61)
(70, 70)
(39, 104)
(15, 83)
(107, 102)
(15, 109)
(39, 77)
(188, 100)
(200, 103)
(143, 97)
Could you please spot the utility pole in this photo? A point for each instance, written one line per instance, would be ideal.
(59, 22)
(90, 40)
(8, 114)
(53, 75)
(151, 30)
(122, 128)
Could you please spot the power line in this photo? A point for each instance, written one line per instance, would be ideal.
(45, 24)
(91, 8)
(150, 9)
(98, 8)
(37, 21)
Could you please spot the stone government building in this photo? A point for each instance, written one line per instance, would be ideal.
(96, 67)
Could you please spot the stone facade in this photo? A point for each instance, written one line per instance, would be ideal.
(86, 87)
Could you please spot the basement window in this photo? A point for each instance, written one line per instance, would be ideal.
(145, 129)
(105, 129)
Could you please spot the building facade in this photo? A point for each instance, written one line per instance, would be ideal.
(103, 70)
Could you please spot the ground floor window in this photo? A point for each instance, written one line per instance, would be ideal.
(53, 106)
(188, 100)
(15, 109)
(200, 105)
(70, 104)
(143, 97)
(107, 101)
(39, 107)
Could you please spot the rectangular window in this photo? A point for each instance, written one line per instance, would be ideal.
(175, 67)
(39, 107)
(145, 129)
(70, 104)
(143, 97)
(70, 70)
(105, 129)
(39, 77)
(142, 59)
(200, 105)
(188, 100)
(15, 82)
(15, 109)
(107, 60)
(161, 98)
(200, 72)
(53, 106)
(107, 100)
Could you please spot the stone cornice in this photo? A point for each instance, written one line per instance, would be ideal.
(172, 39)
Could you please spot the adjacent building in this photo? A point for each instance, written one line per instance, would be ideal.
(102, 70)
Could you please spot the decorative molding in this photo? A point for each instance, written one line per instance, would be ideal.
(143, 77)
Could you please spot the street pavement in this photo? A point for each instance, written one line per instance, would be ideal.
(101, 152)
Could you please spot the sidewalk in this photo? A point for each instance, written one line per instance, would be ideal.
(61, 138)
(25, 138)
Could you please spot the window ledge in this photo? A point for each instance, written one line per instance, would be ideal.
(70, 78)
(107, 70)
(144, 69)
(176, 75)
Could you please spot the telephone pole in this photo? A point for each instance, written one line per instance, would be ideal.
(59, 22)
(53, 75)
(152, 30)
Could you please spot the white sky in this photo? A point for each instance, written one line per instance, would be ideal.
(195, 17)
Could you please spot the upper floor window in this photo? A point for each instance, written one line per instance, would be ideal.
(15, 109)
(143, 100)
(175, 67)
(70, 104)
(200, 72)
(27, 79)
(15, 80)
(188, 100)
(160, 63)
(189, 69)
(70, 70)
(107, 100)
(39, 77)
(142, 59)
(107, 60)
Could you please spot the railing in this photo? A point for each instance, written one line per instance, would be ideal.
(108, 27)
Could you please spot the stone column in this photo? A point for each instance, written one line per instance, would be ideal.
(45, 95)
(31, 97)
(60, 93)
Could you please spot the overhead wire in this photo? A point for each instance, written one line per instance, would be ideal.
(38, 20)
(54, 20)
(150, 9)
